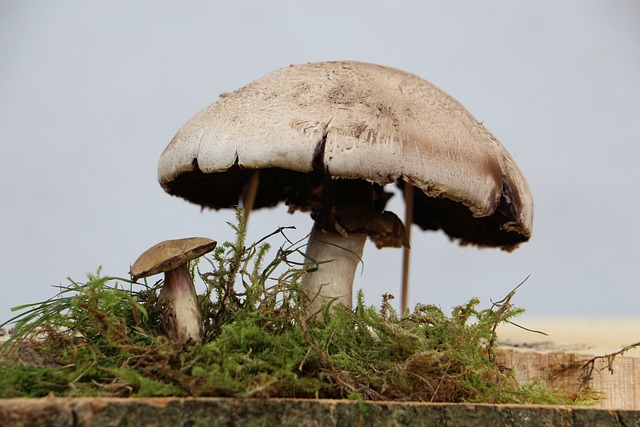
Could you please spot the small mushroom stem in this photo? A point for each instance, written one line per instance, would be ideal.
(181, 311)
(337, 258)
(250, 193)
(406, 252)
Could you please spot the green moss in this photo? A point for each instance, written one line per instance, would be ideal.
(103, 337)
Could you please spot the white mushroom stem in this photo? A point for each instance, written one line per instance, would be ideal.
(338, 257)
(181, 311)
(406, 252)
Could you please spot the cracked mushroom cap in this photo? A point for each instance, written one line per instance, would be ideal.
(170, 254)
(352, 120)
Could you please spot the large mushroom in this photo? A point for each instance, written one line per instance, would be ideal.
(181, 313)
(326, 138)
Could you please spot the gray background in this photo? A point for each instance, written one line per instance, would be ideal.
(92, 92)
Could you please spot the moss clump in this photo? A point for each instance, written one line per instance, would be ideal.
(103, 337)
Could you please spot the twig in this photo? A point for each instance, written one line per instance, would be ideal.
(589, 365)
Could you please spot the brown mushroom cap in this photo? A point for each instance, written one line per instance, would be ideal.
(352, 120)
(170, 254)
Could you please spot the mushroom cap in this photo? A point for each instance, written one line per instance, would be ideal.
(170, 254)
(352, 120)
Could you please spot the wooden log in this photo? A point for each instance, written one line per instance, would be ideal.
(578, 353)
(616, 380)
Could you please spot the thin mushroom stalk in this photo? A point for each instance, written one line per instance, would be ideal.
(249, 197)
(406, 252)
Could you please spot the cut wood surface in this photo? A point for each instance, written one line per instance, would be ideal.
(591, 335)
(578, 351)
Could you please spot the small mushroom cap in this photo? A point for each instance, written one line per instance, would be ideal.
(170, 254)
(352, 120)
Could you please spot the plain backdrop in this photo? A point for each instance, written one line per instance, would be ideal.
(92, 92)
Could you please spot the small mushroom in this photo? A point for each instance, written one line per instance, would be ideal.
(181, 313)
(326, 138)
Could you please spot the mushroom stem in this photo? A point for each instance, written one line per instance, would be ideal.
(337, 256)
(250, 193)
(181, 311)
(406, 252)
